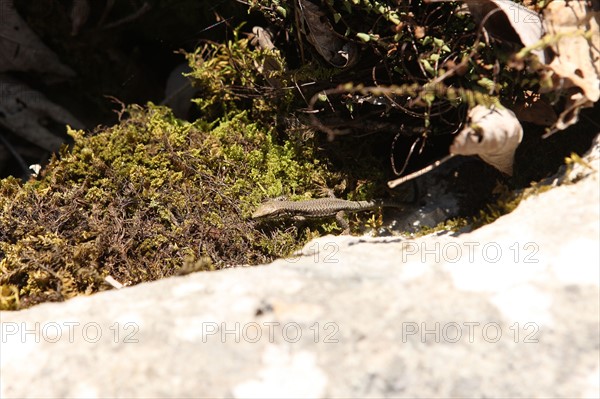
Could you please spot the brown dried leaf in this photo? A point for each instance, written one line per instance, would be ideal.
(22, 50)
(493, 134)
(576, 67)
(319, 32)
(535, 110)
(80, 13)
(270, 68)
(23, 110)
(510, 21)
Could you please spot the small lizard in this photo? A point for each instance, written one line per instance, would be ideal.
(317, 208)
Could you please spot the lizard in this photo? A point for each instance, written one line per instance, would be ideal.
(318, 208)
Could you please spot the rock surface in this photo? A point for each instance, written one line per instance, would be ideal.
(508, 310)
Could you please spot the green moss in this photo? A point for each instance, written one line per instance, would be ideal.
(142, 200)
(233, 76)
(454, 225)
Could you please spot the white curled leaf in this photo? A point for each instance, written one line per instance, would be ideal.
(262, 38)
(493, 134)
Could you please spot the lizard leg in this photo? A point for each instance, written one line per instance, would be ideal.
(326, 192)
(342, 221)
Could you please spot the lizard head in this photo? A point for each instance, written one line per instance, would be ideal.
(268, 209)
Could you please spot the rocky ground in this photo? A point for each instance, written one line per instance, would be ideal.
(507, 310)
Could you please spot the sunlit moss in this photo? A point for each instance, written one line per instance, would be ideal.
(140, 200)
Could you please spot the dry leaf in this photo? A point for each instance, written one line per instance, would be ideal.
(270, 67)
(22, 51)
(319, 32)
(262, 38)
(576, 67)
(535, 110)
(494, 134)
(510, 21)
(23, 111)
(80, 13)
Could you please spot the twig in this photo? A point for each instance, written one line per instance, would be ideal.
(414, 175)
(114, 283)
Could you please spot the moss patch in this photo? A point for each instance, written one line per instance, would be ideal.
(139, 200)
